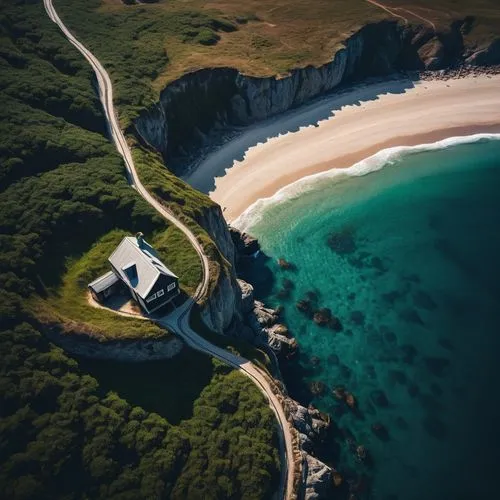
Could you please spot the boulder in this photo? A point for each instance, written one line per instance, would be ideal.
(284, 264)
(280, 343)
(308, 421)
(265, 316)
(317, 388)
(247, 300)
(319, 479)
(244, 243)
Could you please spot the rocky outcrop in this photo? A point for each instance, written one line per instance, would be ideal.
(204, 103)
(245, 245)
(318, 479)
(223, 306)
(247, 300)
(312, 425)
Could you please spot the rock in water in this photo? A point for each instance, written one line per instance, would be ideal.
(350, 400)
(322, 316)
(317, 388)
(247, 298)
(342, 242)
(284, 264)
(319, 479)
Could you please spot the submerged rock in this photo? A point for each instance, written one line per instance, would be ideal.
(342, 242)
(435, 427)
(437, 366)
(317, 388)
(322, 316)
(339, 392)
(304, 306)
(446, 344)
(391, 297)
(411, 316)
(409, 353)
(358, 318)
(337, 479)
(397, 376)
(350, 400)
(424, 301)
(380, 431)
(379, 398)
(284, 264)
(361, 453)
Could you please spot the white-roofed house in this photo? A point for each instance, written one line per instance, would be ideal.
(137, 265)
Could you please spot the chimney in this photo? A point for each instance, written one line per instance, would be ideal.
(140, 239)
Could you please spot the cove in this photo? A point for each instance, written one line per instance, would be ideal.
(407, 259)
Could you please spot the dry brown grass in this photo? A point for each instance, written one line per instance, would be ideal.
(277, 36)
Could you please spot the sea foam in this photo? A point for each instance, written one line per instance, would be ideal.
(254, 213)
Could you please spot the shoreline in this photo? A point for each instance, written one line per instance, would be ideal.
(359, 123)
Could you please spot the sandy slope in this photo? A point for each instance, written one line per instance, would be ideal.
(360, 123)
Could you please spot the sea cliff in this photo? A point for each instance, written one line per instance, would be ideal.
(203, 103)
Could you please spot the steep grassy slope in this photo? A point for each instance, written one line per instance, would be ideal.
(63, 197)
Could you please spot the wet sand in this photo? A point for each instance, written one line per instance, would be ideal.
(349, 127)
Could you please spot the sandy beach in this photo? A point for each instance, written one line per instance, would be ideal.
(344, 129)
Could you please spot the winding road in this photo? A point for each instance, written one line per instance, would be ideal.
(178, 321)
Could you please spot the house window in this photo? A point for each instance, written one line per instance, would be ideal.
(170, 287)
(151, 298)
(160, 293)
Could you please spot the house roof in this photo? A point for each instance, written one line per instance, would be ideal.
(148, 267)
(103, 282)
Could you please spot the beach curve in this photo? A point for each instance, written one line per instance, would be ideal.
(424, 113)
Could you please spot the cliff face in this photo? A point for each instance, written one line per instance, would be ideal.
(201, 104)
(209, 100)
(225, 302)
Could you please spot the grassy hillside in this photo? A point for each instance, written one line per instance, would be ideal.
(64, 202)
(148, 45)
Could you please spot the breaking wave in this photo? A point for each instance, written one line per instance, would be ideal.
(374, 163)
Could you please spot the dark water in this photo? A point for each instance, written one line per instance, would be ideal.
(408, 259)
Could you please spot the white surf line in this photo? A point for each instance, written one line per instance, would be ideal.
(179, 321)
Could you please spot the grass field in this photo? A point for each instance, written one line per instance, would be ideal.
(68, 302)
(146, 46)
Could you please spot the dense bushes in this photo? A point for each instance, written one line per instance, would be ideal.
(132, 43)
(62, 188)
(61, 436)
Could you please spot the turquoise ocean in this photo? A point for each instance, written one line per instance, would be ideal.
(404, 249)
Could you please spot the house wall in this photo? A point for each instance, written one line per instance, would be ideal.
(161, 284)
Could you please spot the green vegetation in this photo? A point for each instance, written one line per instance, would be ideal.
(189, 205)
(64, 203)
(130, 42)
(234, 345)
(68, 304)
(62, 436)
(145, 47)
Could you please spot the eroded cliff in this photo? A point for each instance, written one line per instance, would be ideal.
(199, 104)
